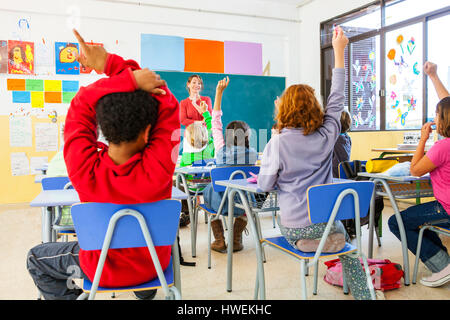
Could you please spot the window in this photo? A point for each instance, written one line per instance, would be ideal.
(365, 84)
(404, 100)
(400, 10)
(438, 49)
(389, 43)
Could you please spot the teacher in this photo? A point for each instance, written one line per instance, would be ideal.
(189, 107)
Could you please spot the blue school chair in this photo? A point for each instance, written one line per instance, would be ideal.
(326, 203)
(112, 226)
(431, 226)
(226, 173)
(58, 183)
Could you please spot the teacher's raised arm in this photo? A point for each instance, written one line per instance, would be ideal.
(189, 107)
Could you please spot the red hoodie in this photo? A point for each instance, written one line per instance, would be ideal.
(145, 177)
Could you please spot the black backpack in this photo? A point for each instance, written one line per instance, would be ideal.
(352, 174)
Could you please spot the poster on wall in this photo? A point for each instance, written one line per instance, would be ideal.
(20, 165)
(20, 131)
(65, 58)
(44, 57)
(3, 56)
(46, 137)
(20, 57)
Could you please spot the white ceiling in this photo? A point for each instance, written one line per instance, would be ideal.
(296, 3)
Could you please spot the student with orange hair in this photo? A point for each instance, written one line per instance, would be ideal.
(301, 156)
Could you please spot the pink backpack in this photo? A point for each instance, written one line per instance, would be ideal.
(385, 274)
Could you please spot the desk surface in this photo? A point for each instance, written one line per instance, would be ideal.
(393, 150)
(243, 184)
(194, 170)
(391, 178)
(52, 198)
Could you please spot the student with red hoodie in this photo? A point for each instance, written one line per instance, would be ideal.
(143, 134)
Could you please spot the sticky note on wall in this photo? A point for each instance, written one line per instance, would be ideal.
(34, 85)
(71, 86)
(37, 100)
(68, 96)
(15, 84)
(52, 97)
(162, 52)
(21, 97)
(243, 58)
(53, 85)
(204, 56)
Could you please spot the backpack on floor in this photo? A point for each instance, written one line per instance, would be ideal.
(385, 274)
(352, 174)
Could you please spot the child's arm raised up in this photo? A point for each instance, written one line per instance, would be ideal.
(97, 58)
(430, 70)
(331, 123)
(217, 128)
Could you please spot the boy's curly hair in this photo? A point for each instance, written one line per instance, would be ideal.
(299, 108)
(122, 116)
(443, 113)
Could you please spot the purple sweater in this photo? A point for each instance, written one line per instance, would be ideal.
(292, 162)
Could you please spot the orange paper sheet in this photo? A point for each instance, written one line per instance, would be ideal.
(203, 56)
(53, 97)
(16, 84)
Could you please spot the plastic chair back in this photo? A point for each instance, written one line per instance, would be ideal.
(343, 175)
(55, 183)
(203, 162)
(224, 173)
(322, 199)
(91, 221)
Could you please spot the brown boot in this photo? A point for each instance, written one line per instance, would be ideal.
(239, 225)
(219, 242)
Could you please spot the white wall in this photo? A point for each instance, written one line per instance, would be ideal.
(311, 16)
(108, 22)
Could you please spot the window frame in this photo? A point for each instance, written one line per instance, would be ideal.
(381, 32)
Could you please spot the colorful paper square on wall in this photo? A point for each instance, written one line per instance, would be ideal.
(15, 84)
(3, 56)
(165, 53)
(52, 97)
(203, 56)
(243, 58)
(65, 58)
(37, 99)
(20, 57)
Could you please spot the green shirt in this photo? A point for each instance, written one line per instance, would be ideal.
(187, 158)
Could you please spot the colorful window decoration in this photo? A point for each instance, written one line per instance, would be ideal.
(404, 78)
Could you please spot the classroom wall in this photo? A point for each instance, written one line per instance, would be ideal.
(119, 25)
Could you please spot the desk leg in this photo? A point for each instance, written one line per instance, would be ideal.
(182, 177)
(176, 265)
(371, 223)
(46, 224)
(231, 194)
(254, 229)
(401, 227)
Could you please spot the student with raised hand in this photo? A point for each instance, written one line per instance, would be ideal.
(137, 167)
(436, 162)
(301, 156)
(234, 150)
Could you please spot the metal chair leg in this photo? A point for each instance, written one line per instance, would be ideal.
(419, 247)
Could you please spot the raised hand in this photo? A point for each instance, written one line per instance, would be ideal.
(93, 56)
(430, 68)
(339, 42)
(149, 81)
(222, 84)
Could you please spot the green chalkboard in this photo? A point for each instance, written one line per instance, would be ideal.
(247, 98)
